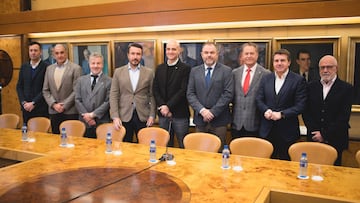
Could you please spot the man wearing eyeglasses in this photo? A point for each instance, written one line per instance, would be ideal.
(304, 60)
(328, 108)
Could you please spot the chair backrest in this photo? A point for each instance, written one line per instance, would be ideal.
(251, 146)
(160, 136)
(9, 120)
(73, 128)
(317, 153)
(39, 124)
(103, 129)
(357, 156)
(202, 142)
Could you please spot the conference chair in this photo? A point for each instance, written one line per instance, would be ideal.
(357, 156)
(103, 129)
(74, 128)
(39, 124)
(202, 142)
(160, 136)
(9, 120)
(317, 153)
(251, 146)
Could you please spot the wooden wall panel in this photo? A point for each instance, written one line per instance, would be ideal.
(10, 102)
(130, 14)
(9, 6)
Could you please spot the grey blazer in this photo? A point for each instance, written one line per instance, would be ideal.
(122, 96)
(97, 100)
(216, 98)
(245, 113)
(65, 94)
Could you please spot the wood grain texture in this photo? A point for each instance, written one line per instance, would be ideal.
(199, 171)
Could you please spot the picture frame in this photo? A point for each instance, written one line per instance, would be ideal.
(354, 70)
(46, 52)
(230, 49)
(318, 47)
(190, 52)
(81, 51)
(121, 48)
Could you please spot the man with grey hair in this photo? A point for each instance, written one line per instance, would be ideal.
(328, 108)
(92, 95)
(169, 88)
(59, 82)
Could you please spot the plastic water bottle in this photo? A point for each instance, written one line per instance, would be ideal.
(225, 157)
(108, 143)
(63, 137)
(303, 167)
(152, 151)
(24, 136)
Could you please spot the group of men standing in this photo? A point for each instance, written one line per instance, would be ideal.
(264, 104)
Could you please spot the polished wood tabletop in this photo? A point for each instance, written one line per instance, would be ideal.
(91, 175)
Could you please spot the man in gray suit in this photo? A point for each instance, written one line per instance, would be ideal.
(131, 99)
(92, 96)
(246, 117)
(210, 90)
(59, 82)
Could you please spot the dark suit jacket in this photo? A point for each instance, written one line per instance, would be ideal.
(169, 88)
(216, 98)
(330, 116)
(290, 100)
(313, 74)
(96, 100)
(29, 88)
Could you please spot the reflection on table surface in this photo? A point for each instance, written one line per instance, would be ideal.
(199, 172)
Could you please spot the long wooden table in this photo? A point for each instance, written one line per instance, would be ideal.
(197, 174)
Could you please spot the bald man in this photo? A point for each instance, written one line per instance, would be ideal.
(328, 108)
(59, 82)
(169, 89)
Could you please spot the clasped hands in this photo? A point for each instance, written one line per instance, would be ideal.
(272, 115)
(207, 115)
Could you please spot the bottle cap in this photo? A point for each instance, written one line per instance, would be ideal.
(226, 146)
(152, 141)
(303, 154)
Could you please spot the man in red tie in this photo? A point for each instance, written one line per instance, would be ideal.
(246, 118)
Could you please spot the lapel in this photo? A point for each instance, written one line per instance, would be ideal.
(255, 79)
(285, 86)
(87, 84)
(98, 85)
(142, 76)
(332, 89)
(124, 75)
(65, 75)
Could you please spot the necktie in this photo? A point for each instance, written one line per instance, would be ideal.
(94, 81)
(304, 75)
(208, 77)
(247, 81)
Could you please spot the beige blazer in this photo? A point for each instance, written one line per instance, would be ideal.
(122, 96)
(65, 94)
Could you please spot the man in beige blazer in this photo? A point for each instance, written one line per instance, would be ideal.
(58, 87)
(131, 99)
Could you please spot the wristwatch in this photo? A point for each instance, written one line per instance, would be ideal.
(282, 114)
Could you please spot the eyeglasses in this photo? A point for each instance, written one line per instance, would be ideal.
(327, 67)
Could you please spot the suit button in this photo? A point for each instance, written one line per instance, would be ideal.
(322, 120)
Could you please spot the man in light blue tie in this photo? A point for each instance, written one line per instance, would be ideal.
(210, 90)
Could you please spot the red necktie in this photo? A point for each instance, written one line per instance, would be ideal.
(247, 81)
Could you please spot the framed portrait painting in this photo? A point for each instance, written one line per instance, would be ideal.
(81, 53)
(354, 70)
(230, 50)
(121, 48)
(190, 52)
(47, 52)
(317, 47)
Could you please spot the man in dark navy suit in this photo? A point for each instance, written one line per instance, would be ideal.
(329, 107)
(30, 84)
(281, 99)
